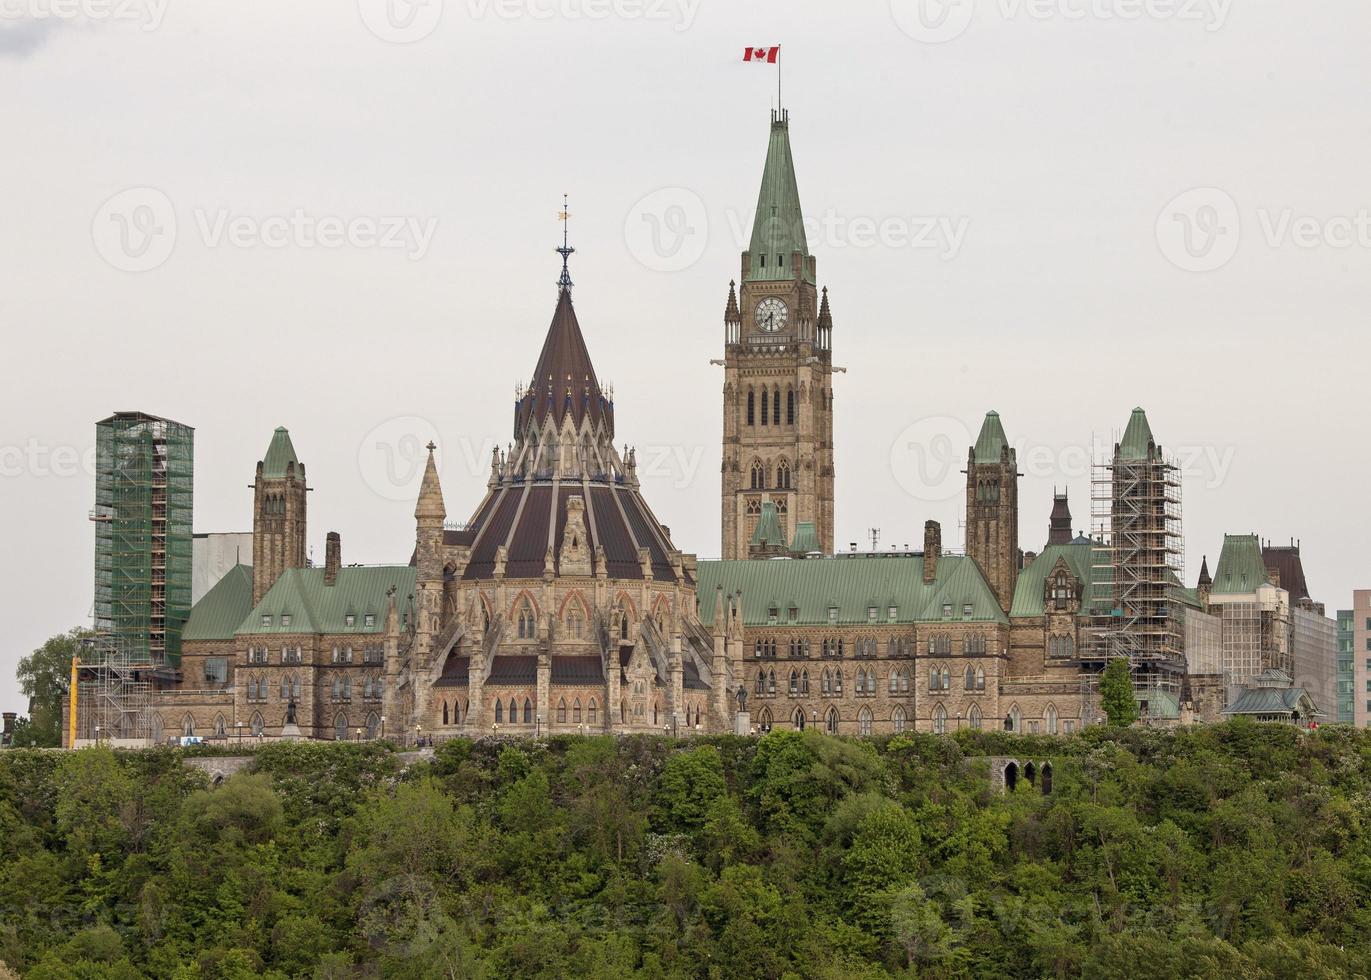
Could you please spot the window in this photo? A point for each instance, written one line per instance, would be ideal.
(765, 402)
(969, 683)
(975, 717)
(758, 479)
(947, 610)
(373, 654)
(1052, 719)
(776, 406)
(258, 726)
(892, 613)
(1068, 727)
(790, 406)
(590, 711)
(864, 721)
(561, 711)
(350, 620)
(257, 655)
(897, 719)
(576, 712)
(783, 475)
(527, 628)
(216, 670)
(980, 679)
(966, 610)
(939, 720)
(220, 728)
(940, 644)
(266, 620)
(499, 711)
(832, 615)
(831, 721)
(871, 614)
(793, 613)
(290, 655)
(285, 620)
(340, 728)
(751, 396)
(826, 683)
(975, 643)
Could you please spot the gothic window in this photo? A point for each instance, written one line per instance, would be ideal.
(894, 683)
(831, 721)
(347, 688)
(771, 682)
(527, 628)
(366, 688)
(590, 713)
(258, 725)
(513, 712)
(445, 713)
(654, 713)
(456, 713)
(826, 683)
(219, 726)
(252, 688)
(760, 686)
(1062, 592)
(980, 679)
(794, 683)
(1014, 721)
(837, 682)
(187, 725)
(764, 721)
(373, 725)
(947, 679)
(864, 721)
(975, 643)
(939, 720)
(499, 711)
(528, 712)
(804, 682)
(942, 643)
(766, 414)
(561, 711)
(799, 719)
(897, 718)
(970, 682)
(758, 475)
(1052, 719)
(776, 405)
(340, 727)
(783, 475)
(790, 406)
(751, 407)
(576, 712)
(574, 622)
(975, 717)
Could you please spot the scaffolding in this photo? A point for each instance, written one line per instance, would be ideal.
(1135, 610)
(114, 693)
(143, 541)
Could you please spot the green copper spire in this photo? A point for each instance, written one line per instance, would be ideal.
(778, 227)
(991, 442)
(280, 454)
(1136, 437)
(768, 527)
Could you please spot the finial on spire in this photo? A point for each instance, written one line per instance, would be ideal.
(566, 250)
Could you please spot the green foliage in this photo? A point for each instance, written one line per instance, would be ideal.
(1234, 850)
(44, 677)
(1116, 694)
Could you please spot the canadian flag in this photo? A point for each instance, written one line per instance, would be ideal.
(769, 55)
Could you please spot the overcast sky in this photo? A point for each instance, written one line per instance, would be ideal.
(339, 216)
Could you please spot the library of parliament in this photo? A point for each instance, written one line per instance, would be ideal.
(562, 605)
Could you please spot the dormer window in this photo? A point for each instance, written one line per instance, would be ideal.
(832, 615)
(793, 613)
(893, 613)
(369, 620)
(947, 610)
(772, 615)
(350, 620)
(966, 610)
(266, 620)
(285, 620)
(871, 614)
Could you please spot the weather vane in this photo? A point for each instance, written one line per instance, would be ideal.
(565, 251)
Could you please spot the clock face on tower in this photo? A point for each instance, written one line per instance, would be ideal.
(771, 314)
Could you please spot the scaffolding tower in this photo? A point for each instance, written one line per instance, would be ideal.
(1137, 558)
(143, 540)
(144, 482)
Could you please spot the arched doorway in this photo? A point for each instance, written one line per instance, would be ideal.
(1011, 776)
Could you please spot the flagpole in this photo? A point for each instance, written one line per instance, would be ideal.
(778, 80)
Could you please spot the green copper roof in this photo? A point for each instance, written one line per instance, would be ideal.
(852, 586)
(217, 615)
(1028, 591)
(1241, 568)
(768, 527)
(1136, 437)
(991, 442)
(806, 539)
(778, 226)
(314, 607)
(279, 455)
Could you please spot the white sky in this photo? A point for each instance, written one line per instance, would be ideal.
(1054, 140)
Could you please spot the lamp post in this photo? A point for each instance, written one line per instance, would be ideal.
(383, 727)
(97, 736)
(418, 735)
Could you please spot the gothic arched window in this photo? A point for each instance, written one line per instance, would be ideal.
(766, 402)
(831, 721)
(790, 406)
(897, 718)
(975, 717)
(939, 720)
(758, 475)
(776, 405)
(590, 712)
(1052, 719)
(783, 475)
(527, 628)
(340, 727)
(528, 712)
(561, 711)
(751, 407)
(864, 721)
(258, 725)
(499, 711)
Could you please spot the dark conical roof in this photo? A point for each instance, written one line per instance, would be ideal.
(564, 379)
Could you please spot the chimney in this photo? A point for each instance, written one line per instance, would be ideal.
(8, 730)
(933, 549)
(333, 557)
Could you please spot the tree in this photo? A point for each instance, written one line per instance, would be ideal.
(44, 677)
(1116, 694)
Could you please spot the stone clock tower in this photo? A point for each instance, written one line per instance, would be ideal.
(778, 374)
